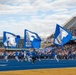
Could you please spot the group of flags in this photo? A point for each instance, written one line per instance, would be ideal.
(33, 40)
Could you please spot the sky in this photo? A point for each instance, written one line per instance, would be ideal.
(40, 16)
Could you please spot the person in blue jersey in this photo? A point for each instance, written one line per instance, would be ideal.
(54, 55)
(16, 55)
(24, 55)
(28, 56)
(6, 56)
(21, 55)
(34, 55)
(70, 55)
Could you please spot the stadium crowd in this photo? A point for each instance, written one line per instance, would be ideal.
(72, 30)
(69, 52)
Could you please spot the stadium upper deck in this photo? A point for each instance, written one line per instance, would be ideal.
(70, 23)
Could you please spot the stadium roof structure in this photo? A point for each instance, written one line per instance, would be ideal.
(70, 23)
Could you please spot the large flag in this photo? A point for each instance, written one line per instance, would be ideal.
(31, 39)
(61, 36)
(10, 40)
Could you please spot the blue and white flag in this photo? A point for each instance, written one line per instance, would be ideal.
(61, 36)
(31, 39)
(10, 40)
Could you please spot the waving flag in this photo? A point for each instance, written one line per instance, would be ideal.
(31, 39)
(61, 36)
(10, 40)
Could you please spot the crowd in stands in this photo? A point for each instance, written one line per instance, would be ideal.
(72, 30)
(69, 52)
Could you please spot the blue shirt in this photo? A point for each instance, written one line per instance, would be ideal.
(28, 53)
(5, 54)
(16, 53)
(54, 53)
(34, 54)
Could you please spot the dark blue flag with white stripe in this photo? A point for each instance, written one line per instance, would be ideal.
(61, 36)
(31, 39)
(10, 40)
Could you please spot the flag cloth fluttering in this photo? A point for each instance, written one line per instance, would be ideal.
(10, 40)
(31, 39)
(61, 36)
